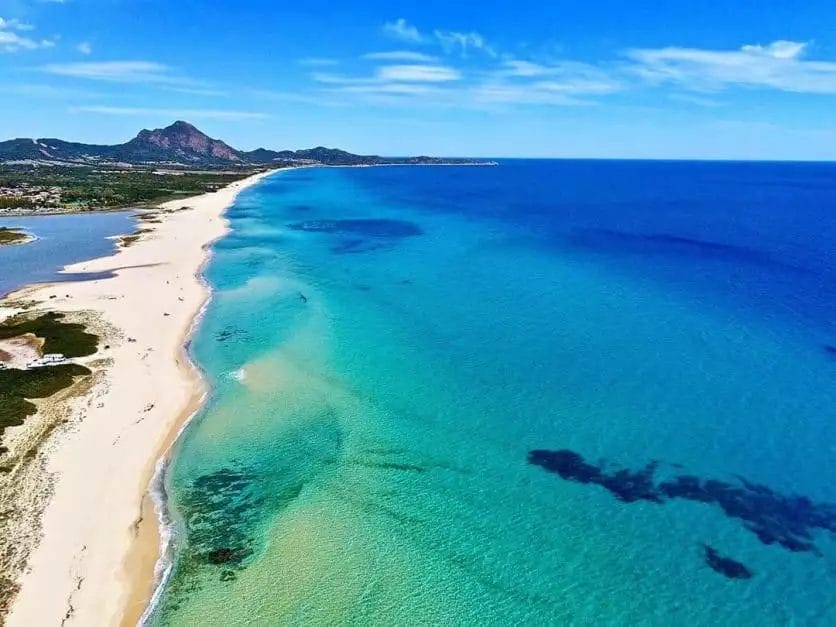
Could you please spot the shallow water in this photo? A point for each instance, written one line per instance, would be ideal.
(61, 240)
(547, 392)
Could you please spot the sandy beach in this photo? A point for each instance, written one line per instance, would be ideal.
(97, 544)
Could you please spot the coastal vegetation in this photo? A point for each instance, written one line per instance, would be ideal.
(16, 202)
(18, 387)
(12, 236)
(68, 338)
(24, 189)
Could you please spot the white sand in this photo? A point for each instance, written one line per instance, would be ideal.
(87, 569)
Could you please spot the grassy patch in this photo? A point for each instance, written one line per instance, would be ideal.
(68, 338)
(17, 386)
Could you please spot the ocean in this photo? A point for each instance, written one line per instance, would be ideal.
(548, 392)
(61, 240)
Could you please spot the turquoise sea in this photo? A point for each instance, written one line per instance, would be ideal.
(543, 393)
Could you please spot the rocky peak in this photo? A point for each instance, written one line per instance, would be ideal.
(185, 141)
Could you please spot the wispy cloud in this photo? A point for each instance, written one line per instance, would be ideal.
(451, 41)
(85, 47)
(402, 30)
(393, 74)
(464, 43)
(493, 79)
(571, 77)
(133, 72)
(215, 114)
(779, 65)
(115, 71)
(400, 55)
(14, 24)
(418, 73)
(12, 39)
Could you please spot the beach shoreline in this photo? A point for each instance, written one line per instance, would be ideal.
(94, 559)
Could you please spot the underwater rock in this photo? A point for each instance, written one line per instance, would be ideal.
(726, 566)
(774, 518)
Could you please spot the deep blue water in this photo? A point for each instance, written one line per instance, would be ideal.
(583, 392)
(62, 240)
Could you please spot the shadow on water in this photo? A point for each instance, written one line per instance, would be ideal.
(361, 235)
(786, 520)
(609, 240)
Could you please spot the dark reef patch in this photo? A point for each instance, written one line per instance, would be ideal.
(726, 566)
(830, 350)
(232, 333)
(774, 518)
(626, 485)
(223, 509)
(218, 507)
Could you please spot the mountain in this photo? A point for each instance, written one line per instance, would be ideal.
(182, 144)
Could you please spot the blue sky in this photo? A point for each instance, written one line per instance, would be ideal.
(721, 79)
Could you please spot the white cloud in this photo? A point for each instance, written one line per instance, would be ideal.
(449, 40)
(142, 72)
(780, 49)
(417, 73)
(14, 24)
(391, 89)
(117, 71)
(407, 77)
(387, 74)
(400, 55)
(402, 30)
(516, 67)
(454, 41)
(779, 65)
(85, 47)
(338, 79)
(11, 39)
(516, 94)
(216, 114)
